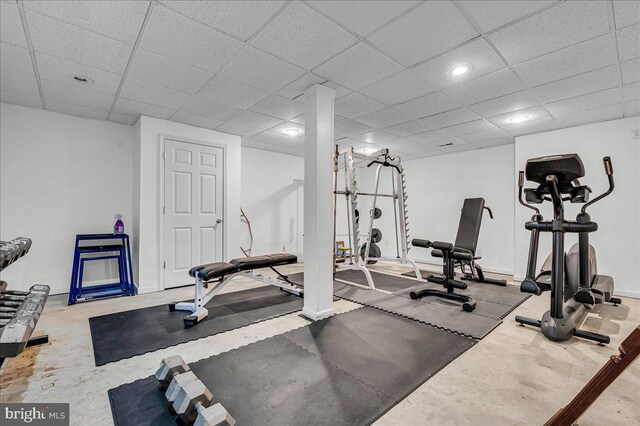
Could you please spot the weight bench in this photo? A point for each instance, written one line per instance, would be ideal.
(212, 277)
(464, 248)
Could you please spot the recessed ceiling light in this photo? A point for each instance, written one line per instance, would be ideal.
(460, 69)
(519, 119)
(292, 132)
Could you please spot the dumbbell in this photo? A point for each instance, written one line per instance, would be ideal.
(169, 368)
(192, 404)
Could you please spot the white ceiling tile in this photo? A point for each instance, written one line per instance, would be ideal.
(486, 135)
(631, 92)
(248, 123)
(477, 55)
(341, 91)
(460, 147)
(172, 35)
(299, 119)
(356, 105)
(298, 87)
(384, 118)
(362, 17)
(66, 41)
(536, 126)
(555, 28)
(406, 129)
(303, 37)
(130, 107)
(63, 71)
(449, 145)
(116, 117)
(251, 143)
(377, 137)
(18, 98)
(281, 129)
(628, 42)
(535, 113)
(630, 71)
(489, 86)
(430, 137)
(468, 127)
(428, 105)
(149, 93)
(75, 95)
(626, 13)
(196, 120)
(593, 115)
(490, 15)
(206, 107)
(435, 27)
(495, 142)
(11, 30)
(399, 88)
(592, 81)
(346, 128)
(512, 102)
(79, 110)
(272, 138)
(166, 72)
(240, 19)
(277, 106)
(633, 108)
(358, 67)
(585, 102)
(16, 70)
(228, 92)
(448, 118)
(590, 55)
(406, 146)
(259, 69)
(116, 19)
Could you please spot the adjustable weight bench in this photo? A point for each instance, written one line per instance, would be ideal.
(464, 248)
(218, 274)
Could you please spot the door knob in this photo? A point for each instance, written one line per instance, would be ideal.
(219, 221)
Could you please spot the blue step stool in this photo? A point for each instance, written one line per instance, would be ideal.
(94, 247)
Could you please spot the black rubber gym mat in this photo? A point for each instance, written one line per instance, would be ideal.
(505, 295)
(130, 333)
(386, 282)
(345, 370)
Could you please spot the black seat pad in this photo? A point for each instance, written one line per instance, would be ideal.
(213, 270)
(265, 261)
(457, 254)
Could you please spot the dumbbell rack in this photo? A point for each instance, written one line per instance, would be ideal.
(356, 260)
(19, 310)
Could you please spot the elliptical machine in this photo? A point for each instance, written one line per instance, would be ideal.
(581, 288)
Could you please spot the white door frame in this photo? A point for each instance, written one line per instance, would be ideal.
(161, 206)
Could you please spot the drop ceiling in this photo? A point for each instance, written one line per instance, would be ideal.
(241, 66)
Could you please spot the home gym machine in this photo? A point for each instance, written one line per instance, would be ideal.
(369, 252)
(580, 286)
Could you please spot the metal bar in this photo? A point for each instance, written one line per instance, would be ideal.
(395, 209)
(372, 213)
(370, 194)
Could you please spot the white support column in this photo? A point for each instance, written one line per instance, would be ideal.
(318, 203)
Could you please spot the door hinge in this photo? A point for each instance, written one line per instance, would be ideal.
(164, 211)
(164, 265)
(164, 155)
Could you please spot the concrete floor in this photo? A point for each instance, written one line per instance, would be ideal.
(513, 376)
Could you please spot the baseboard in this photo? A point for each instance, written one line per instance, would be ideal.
(627, 293)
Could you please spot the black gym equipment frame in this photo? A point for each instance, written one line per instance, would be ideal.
(557, 176)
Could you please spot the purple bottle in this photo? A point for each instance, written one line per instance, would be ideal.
(118, 228)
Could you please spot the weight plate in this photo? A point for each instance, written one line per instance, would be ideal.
(377, 213)
(374, 251)
(376, 235)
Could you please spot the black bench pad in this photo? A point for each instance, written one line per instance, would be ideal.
(218, 269)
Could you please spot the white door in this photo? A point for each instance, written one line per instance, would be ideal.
(193, 208)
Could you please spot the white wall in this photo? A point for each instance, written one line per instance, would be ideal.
(437, 187)
(272, 198)
(147, 207)
(60, 176)
(617, 241)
